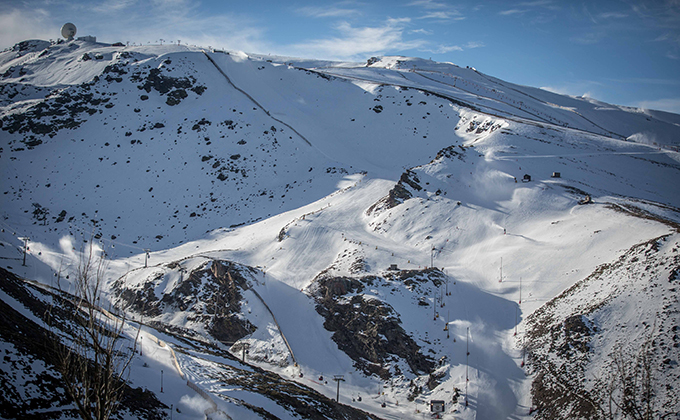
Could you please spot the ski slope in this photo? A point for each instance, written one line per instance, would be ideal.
(277, 164)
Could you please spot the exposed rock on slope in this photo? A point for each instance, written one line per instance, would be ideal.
(209, 295)
(367, 328)
(410, 184)
(609, 344)
(398, 194)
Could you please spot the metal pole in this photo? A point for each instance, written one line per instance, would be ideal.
(467, 365)
(244, 350)
(434, 307)
(161, 380)
(520, 290)
(25, 239)
(338, 378)
(432, 257)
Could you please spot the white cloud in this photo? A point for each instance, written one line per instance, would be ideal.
(533, 7)
(542, 3)
(474, 44)
(436, 15)
(225, 31)
(443, 49)
(324, 12)
(18, 25)
(588, 38)
(429, 4)
(661, 38)
(612, 15)
(111, 6)
(420, 31)
(510, 12)
(356, 42)
(167, 3)
(439, 11)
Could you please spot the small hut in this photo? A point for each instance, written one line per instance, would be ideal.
(527, 178)
(437, 406)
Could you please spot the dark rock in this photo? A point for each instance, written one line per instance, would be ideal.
(368, 330)
(176, 96)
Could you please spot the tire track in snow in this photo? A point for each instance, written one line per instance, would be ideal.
(253, 99)
(290, 350)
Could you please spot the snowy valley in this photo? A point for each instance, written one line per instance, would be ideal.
(425, 230)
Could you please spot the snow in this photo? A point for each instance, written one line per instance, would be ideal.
(317, 182)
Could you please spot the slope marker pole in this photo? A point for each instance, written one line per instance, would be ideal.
(520, 290)
(467, 364)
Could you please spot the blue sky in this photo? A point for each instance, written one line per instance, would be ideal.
(624, 52)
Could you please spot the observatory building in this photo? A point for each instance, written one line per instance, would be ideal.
(69, 30)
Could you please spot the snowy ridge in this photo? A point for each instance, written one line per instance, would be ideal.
(242, 197)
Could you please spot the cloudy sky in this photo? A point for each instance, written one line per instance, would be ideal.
(624, 52)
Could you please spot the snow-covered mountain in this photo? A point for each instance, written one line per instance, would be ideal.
(421, 228)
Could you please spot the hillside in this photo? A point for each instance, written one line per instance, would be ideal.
(258, 202)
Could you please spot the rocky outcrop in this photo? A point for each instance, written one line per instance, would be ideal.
(577, 373)
(398, 194)
(211, 295)
(368, 330)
